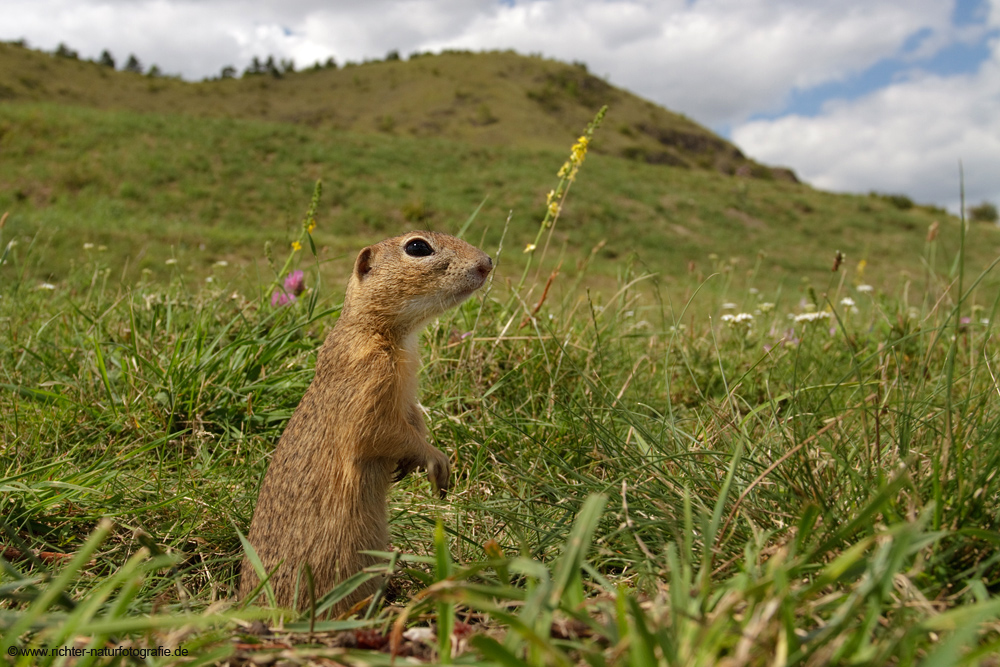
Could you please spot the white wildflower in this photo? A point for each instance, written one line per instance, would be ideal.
(847, 302)
(865, 289)
(171, 261)
(745, 319)
(88, 246)
(46, 286)
(728, 306)
(813, 317)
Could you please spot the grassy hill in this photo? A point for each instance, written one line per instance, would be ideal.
(496, 99)
(114, 159)
(152, 187)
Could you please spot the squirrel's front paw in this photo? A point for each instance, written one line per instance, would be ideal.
(404, 467)
(438, 470)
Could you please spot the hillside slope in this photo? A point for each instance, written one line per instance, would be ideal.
(498, 98)
(168, 195)
(94, 158)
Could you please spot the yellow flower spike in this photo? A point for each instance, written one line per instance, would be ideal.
(553, 200)
(296, 246)
(309, 221)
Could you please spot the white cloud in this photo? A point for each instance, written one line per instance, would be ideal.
(719, 61)
(196, 39)
(907, 137)
(178, 37)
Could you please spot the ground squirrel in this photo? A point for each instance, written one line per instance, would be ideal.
(358, 425)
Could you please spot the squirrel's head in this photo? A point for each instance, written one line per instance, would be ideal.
(403, 282)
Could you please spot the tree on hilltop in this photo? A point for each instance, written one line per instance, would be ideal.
(272, 68)
(255, 67)
(985, 212)
(64, 51)
(133, 64)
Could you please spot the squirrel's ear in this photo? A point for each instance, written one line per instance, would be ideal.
(363, 264)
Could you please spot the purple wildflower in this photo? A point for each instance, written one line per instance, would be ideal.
(295, 283)
(281, 298)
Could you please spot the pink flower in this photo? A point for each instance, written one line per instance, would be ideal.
(281, 298)
(295, 283)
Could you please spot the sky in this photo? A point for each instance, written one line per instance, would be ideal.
(854, 95)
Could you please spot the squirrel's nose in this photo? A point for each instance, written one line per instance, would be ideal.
(485, 266)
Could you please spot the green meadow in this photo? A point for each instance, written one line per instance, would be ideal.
(682, 432)
(144, 189)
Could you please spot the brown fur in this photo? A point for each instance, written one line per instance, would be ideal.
(324, 496)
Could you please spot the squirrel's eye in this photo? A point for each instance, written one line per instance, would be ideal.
(418, 248)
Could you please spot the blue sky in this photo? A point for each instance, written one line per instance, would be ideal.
(902, 122)
(962, 56)
(854, 95)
